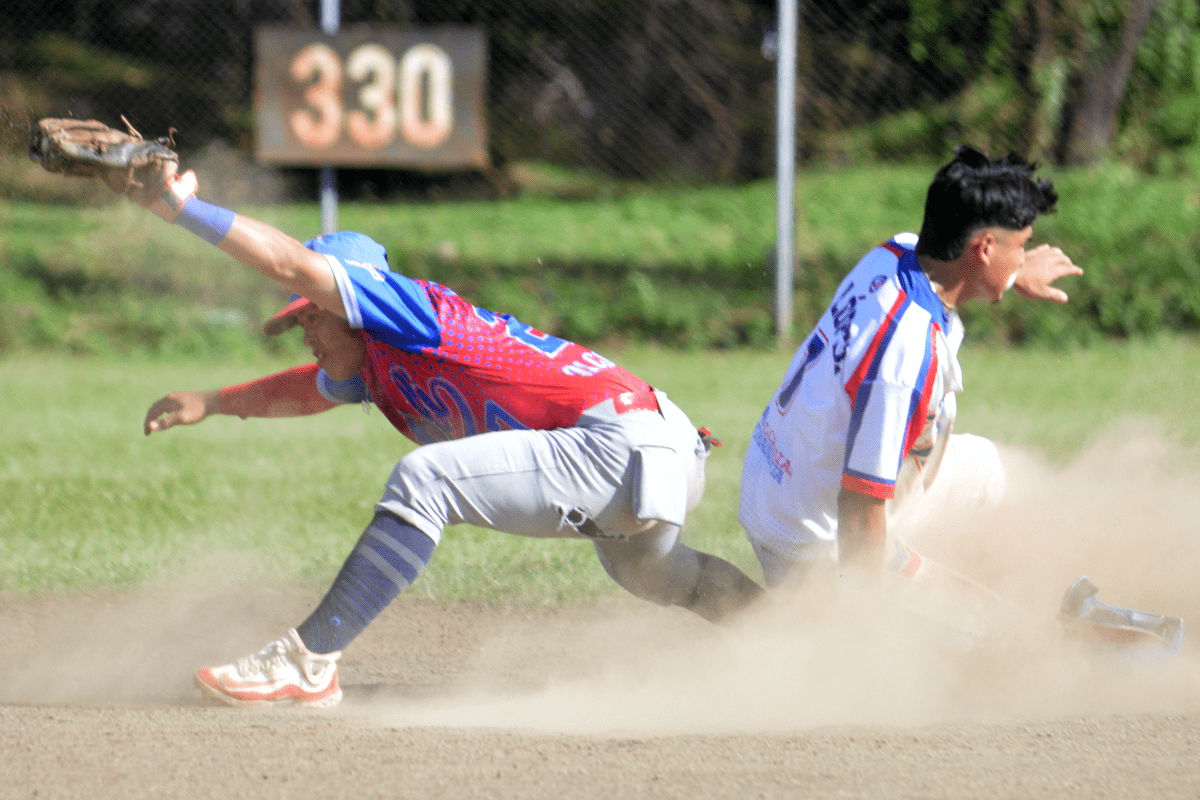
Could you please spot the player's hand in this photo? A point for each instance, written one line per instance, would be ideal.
(143, 186)
(1043, 266)
(180, 408)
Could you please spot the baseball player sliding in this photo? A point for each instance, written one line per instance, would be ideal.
(858, 436)
(521, 432)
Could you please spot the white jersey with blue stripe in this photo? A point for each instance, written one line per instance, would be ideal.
(872, 386)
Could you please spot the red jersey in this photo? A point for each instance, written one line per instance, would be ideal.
(449, 369)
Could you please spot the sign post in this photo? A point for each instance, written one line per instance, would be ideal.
(331, 20)
(785, 171)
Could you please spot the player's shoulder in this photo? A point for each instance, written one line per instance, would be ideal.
(892, 250)
(878, 267)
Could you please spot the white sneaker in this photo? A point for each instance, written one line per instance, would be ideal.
(282, 672)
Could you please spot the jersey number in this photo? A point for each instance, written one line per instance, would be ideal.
(544, 343)
(816, 346)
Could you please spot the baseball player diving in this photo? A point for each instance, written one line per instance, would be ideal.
(520, 432)
(858, 439)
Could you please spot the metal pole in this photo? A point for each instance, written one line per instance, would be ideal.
(331, 15)
(785, 170)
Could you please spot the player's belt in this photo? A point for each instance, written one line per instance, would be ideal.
(644, 400)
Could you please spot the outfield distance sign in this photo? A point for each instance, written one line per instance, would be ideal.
(371, 96)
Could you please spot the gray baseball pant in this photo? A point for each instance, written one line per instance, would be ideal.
(624, 481)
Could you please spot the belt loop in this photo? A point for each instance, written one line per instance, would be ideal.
(708, 439)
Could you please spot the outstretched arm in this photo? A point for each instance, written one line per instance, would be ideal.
(1043, 266)
(256, 244)
(284, 260)
(292, 393)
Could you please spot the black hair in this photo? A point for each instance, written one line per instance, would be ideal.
(974, 192)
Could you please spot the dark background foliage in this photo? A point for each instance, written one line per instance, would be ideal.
(679, 90)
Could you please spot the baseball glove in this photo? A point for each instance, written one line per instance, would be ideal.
(87, 148)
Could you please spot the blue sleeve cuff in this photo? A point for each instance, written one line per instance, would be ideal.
(353, 390)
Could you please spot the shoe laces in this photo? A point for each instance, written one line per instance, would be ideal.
(270, 659)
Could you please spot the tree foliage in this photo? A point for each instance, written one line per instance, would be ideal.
(683, 90)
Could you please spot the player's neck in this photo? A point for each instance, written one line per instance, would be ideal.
(947, 277)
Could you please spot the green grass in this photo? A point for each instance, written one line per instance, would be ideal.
(89, 501)
(716, 227)
(1057, 402)
(686, 267)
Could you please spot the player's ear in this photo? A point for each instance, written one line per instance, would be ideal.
(982, 245)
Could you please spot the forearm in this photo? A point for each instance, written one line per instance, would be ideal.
(283, 259)
(292, 393)
(862, 531)
(257, 245)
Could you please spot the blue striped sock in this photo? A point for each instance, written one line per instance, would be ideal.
(387, 559)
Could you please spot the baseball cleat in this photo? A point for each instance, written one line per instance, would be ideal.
(1085, 618)
(282, 672)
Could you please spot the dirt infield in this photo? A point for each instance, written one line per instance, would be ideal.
(831, 691)
(622, 700)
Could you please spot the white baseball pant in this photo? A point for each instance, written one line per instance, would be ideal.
(970, 476)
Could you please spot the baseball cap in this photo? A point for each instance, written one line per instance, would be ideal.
(349, 246)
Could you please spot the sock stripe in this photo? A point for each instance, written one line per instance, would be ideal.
(403, 560)
(389, 556)
(364, 594)
(390, 568)
(400, 535)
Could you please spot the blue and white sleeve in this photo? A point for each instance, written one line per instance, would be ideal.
(389, 305)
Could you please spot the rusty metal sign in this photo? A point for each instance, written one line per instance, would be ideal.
(371, 96)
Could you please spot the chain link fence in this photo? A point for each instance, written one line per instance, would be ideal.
(646, 90)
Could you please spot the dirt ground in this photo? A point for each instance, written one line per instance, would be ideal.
(828, 691)
(621, 700)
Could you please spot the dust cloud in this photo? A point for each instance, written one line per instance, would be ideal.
(830, 653)
(136, 647)
(826, 653)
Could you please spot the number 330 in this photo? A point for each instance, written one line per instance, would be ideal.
(419, 92)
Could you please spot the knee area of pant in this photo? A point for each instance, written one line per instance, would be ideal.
(661, 575)
(417, 467)
(413, 491)
(977, 460)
